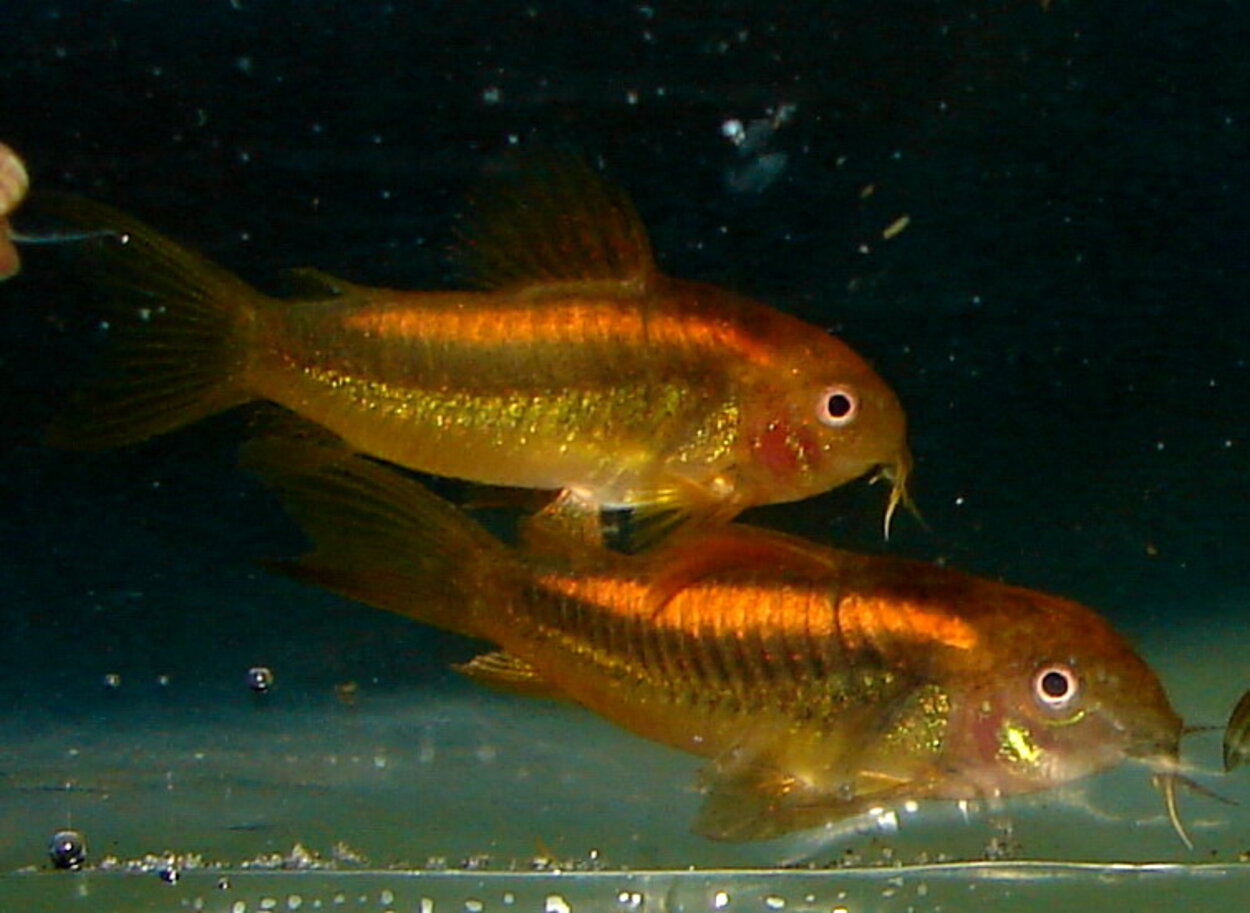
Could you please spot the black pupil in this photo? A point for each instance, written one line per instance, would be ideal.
(1055, 684)
(839, 405)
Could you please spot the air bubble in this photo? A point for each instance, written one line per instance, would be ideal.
(260, 679)
(67, 850)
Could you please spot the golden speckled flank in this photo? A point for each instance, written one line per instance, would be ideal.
(919, 726)
(535, 424)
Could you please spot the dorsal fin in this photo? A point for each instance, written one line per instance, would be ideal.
(552, 219)
(733, 547)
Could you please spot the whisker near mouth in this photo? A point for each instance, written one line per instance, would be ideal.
(897, 475)
(1167, 784)
(1167, 781)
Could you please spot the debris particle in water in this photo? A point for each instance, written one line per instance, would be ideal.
(260, 679)
(896, 227)
(112, 681)
(347, 692)
(67, 850)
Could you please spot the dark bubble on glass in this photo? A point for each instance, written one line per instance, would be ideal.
(67, 850)
(260, 679)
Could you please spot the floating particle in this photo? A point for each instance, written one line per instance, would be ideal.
(67, 850)
(896, 227)
(112, 681)
(260, 679)
(347, 692)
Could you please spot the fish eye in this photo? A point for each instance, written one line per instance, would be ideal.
(837, 406)
(1055, 686)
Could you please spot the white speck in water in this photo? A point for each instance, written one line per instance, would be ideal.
(491, 95)
(508, 898)
(387, 897)
(720, 900)
(555, 903)
(486, 754)
(775, 902)
(238, 907)
(294, 902)
(887, 821)
(268, 903)
(472, 905)
(427, 905)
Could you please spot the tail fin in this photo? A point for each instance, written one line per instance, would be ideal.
(380, 537)
(177, 326)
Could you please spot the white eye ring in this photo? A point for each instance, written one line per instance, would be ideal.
(1055, 686)
(837, 406)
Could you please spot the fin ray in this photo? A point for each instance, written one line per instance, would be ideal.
(379, 536)
(177, 347)
(555, 220)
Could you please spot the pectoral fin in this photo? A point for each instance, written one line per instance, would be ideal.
(761, 803)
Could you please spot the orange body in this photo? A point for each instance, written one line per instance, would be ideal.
(821, 683)
(579, 369)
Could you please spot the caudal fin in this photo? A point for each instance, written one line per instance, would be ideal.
(177, 329)
(380, 537)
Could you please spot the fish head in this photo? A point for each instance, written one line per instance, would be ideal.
(826, 419)
(1060, 695)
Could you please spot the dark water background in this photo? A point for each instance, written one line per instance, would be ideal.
(1065, 317)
